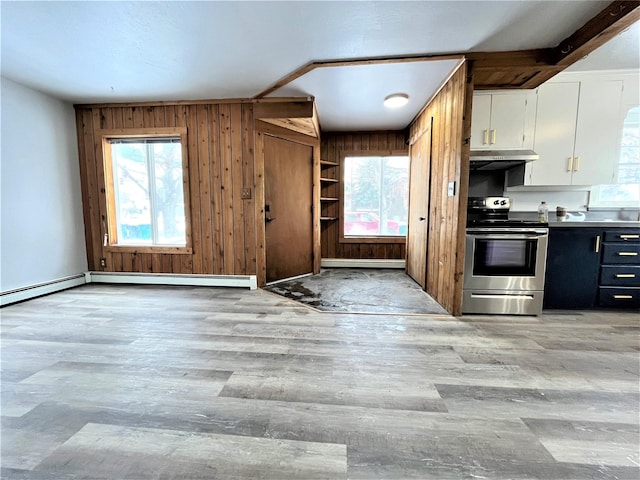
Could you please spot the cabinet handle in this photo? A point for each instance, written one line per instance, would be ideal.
(577, 164)
(493, 137)
(625, 275)
(597, 243)
(628, 254)
(485, 138)
(629, 237)
(625, 297)
(570, 165)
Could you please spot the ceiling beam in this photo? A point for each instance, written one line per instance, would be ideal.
(611, 21)
(531, 68)
(514, 69)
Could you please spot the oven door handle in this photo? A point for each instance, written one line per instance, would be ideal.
(507, 236)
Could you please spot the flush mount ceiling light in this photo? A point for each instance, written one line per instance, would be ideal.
(396, 100)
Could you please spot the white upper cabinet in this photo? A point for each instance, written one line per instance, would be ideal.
(502, 121)
(577, 132)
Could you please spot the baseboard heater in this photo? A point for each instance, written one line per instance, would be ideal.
(37, 290)
(361, 263)
(242, 281)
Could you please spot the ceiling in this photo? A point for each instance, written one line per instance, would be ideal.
(95, 52)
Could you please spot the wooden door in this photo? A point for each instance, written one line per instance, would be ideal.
(419, 209)
(288, 187)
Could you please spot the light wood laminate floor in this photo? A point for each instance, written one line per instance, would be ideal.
(135, 382)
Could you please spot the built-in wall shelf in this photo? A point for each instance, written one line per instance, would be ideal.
(328, 163)
(329, 192)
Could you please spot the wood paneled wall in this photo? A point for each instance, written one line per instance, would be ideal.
(330, 149)
(450, 110)
(220, 164)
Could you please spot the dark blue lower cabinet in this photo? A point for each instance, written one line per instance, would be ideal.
(620, 273)
(573, 268)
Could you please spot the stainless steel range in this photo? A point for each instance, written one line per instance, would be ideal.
(505, 260)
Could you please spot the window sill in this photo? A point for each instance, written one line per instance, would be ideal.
(149, 249)
(373, 240)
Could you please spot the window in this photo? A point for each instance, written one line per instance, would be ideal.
(376, 194)
(145, 177)
(626, 193)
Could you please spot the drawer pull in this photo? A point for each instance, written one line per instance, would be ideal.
(625, 275)
(628, 254)
(597, 243)
(629, 237)
(623, 297)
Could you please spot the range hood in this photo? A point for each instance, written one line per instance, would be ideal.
(500, 159)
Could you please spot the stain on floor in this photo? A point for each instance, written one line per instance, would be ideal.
(359, 290)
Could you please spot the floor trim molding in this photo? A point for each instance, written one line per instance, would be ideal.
(39, 289)
(361, 263)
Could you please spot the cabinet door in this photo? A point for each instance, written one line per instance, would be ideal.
(571, 279)
(508, 120)
(597, 146)
(554, 135)
(480, 121)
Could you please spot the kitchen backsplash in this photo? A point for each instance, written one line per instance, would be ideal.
(573, 200)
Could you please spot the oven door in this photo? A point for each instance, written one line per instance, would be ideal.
(505, 259)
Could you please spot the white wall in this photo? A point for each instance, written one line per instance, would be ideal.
(42, 231)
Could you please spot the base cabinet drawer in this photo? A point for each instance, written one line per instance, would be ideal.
(619, 297)
(618, 253)
(622, 235)
(620, 276)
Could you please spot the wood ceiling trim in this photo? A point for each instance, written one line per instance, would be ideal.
(353, 63)
(299, 116)
(165, 103)
(302, 126)
(296, 109)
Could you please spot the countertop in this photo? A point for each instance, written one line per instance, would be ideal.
(555, 223)
(589, 219)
